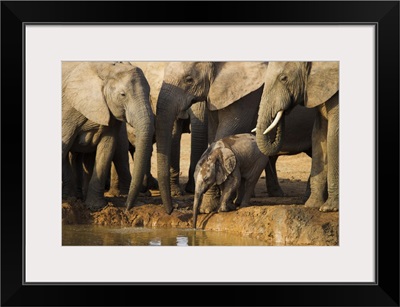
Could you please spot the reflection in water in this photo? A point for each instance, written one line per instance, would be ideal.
(155, 242)
(140, 236)
(182, 241)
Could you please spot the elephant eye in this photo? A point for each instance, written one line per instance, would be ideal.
(283, 78)
(189, 80)
(122, 94)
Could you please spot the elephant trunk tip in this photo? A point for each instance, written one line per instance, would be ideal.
(169, 210)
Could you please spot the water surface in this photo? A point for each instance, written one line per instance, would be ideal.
(139, 236)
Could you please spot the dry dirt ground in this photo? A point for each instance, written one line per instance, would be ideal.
(275, 220)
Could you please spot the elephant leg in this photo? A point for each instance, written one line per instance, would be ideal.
(68, 136)
(120, 178)
(175, 158)
(78, 173)
(240, 194)
(271, 178)
(250, 185)
(228, 189)
(211, 200)
(87, 171)
(68, 186)
(199, 141)
(308, 186)
(318, 164)
(102, 164)
(332, 203)
(114, 182)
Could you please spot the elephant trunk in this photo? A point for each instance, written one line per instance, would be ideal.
(270, 126)
(267, 144)
(196, 204)
(165, 118)
(142, 120)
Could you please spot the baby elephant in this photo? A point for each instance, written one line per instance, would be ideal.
(235, 164)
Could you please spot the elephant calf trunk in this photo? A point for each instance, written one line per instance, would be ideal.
(196, 204)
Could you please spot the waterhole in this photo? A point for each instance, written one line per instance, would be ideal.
(76, 235)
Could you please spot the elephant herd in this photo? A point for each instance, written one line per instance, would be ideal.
(114, 112)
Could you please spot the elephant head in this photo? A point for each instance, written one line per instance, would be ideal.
(218, 83)
(214, 167)
(287, 84)
(105, 91)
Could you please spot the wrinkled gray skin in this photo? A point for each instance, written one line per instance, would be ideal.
(192, 120)
(96, 98)
(232, 91)
(316, 85)
(235, 164)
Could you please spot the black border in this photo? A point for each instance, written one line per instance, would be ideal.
(383, 14)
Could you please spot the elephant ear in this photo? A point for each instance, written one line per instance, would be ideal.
(322, 83)
(234, 80)
(225, 165)
(83, 88)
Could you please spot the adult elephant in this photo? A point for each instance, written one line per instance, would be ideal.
(96, 98)
(192, 120)
(316, 85)
(232, 91)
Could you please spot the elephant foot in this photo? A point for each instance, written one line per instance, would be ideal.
(95, 204)
(242, 205)
(313, 203)
(114, 192)
(190, 187)
(330, 205)
(209, 204)
(227, 207)
(176, 190)
(275, 192)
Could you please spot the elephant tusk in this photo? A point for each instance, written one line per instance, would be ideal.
(274, 123)
(254, 130)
